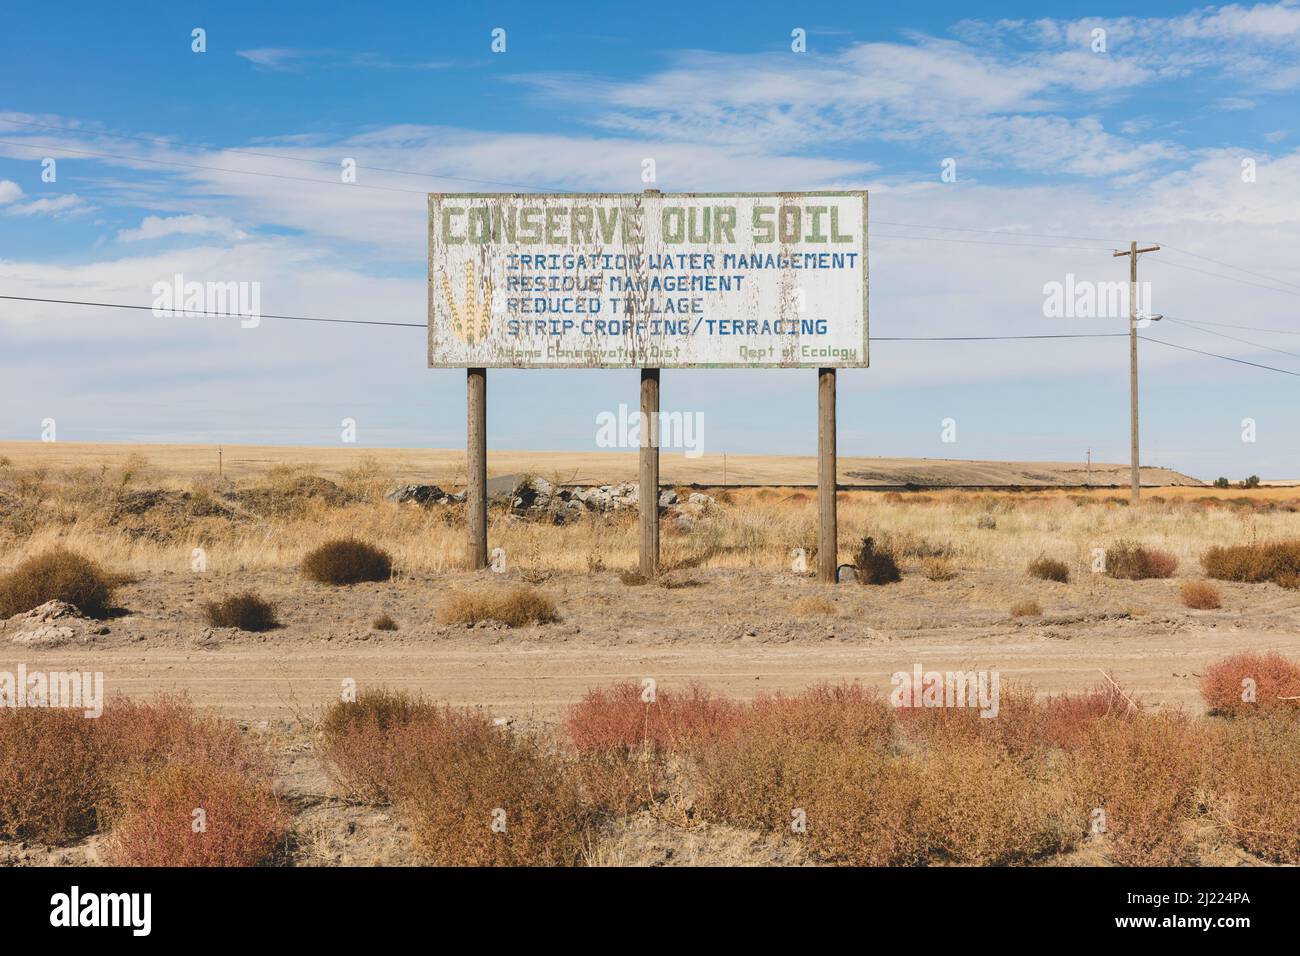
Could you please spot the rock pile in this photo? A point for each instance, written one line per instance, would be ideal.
(53, 624)
(424, 495)
(531, 497)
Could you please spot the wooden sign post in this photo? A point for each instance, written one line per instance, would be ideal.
(649, 472)
(476, 466)
(827, 527)
(648, 281)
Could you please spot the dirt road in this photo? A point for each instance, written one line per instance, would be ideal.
(272, 682)
(733, 631)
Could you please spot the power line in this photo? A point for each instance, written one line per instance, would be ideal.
(1226, 358)
(994, 232)
(879, 338)
(188, 313)
(988, 242)
(1229, 265)
(1225, 335)
(995, 338)
(1219, 275)
(422, 325)
(1244, 328)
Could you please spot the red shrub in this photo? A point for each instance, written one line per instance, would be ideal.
(1067, 718)
(828, 713)
(474, 794)
(63, 776)
(1145, 774)
(827, 757)
(1128, 559)
(1259, 775)
(617, 717)
(51, 774)
(1161, 564)
(1273, 678)
(1023, 724)
(361, 741)
(139, 736)
(196, 813)
(1201, 595)
(165, 762)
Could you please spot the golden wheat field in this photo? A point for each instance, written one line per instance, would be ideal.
(268, 594)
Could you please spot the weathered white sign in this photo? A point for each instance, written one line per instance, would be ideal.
(746, 280)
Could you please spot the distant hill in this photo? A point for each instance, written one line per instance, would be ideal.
(179, 464)
(942, 471)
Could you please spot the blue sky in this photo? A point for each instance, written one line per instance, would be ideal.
(223, 165)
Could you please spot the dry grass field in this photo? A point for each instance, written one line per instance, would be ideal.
(730, 618)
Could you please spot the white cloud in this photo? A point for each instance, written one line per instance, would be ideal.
(291, 58)
(275, 58)
(10, 191)
(984, 96)
(377, 62)
(298, 186)
(993, 108)
(69, 204)
(1276, 22)
(1283, 79)
(1257, 44)
(156, 227)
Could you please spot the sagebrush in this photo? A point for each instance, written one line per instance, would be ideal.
(57, 574)
(347, 561)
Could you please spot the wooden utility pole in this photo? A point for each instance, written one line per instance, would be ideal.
(1135, 493)
(827, 530)
(648, 493)
(476, 466)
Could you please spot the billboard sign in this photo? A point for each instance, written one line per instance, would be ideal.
(632, 280)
